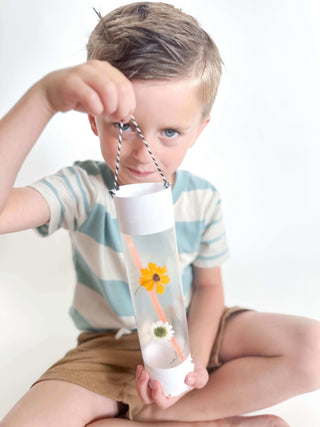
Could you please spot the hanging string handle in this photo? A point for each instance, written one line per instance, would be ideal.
(114, 190)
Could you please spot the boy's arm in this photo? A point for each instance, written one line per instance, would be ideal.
(26, 208)
(206, 308)
(94, 87)
(19, 130)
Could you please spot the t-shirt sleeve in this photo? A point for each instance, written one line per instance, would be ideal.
(213, 248)
(70, 195)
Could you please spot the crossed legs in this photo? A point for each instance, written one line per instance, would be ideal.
(267, 358)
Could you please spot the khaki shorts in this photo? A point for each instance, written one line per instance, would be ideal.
(107, 366)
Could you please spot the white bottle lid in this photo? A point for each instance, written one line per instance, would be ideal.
(144, 208)
(172, 379)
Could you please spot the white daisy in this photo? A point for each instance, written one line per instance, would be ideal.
(162, 331)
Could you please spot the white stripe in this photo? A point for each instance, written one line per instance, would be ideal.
(187, 298)
(211, 263)
(103, 196)
(186, 259)
(196, 205)
(108, 264)
(212, 232)
(54, 205)
(105, 263)
(74, 207)
(96, 310)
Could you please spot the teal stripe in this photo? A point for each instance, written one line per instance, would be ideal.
(79, 321)
(66, 180)
(84, 195)
(212, 257)
(186, 181)
(216, 221)
(216, 239)
(92, 167)
(102, 228)
(97, 168)
(188, 236)
(115, 291)
(55, 192)
(43, 229)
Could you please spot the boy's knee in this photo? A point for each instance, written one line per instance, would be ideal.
(306, 356)
(275, 421)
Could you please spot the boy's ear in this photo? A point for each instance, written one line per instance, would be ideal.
(93, 124)
(204, 124)
(201, 127)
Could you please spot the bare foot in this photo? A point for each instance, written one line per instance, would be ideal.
(256, 421)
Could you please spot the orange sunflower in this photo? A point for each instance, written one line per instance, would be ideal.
(154, 276)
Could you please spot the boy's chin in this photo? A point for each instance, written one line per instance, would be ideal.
(139, 178)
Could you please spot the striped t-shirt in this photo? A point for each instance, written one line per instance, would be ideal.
(79, 201)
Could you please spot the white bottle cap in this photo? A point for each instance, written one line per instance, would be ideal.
(172, 379)
(144, 208)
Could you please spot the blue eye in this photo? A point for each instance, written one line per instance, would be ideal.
(126, 126)
(170, 133)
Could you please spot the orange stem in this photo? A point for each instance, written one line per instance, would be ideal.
(153, 296)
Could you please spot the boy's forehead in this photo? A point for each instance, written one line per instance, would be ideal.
(185, 82)
(169, 91)
(174, 101)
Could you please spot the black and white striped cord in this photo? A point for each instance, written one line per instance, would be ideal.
(113, 191)
(115, 186)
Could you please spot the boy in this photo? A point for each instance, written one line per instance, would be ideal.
(153, 61)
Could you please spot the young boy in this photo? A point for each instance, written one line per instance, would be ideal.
(153, 61)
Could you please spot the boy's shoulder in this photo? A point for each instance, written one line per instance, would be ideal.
(187, 181)
(196, 200)
(96, 169)
(92, 167)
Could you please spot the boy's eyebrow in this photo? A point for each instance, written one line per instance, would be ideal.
(177, 127)
(173, 127)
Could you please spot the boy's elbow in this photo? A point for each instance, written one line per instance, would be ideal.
(2, 212)
(4, 200)
(3, 228)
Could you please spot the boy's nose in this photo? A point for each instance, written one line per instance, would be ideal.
(140, 152)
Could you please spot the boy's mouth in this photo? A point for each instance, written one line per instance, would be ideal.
(141, 174)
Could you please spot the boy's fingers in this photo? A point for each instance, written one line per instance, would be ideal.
(126, 103)
(142, 384)
(159, 399)
(198, 378)
(89, 101)
(114, 90)
(195, 381)
(106, 90)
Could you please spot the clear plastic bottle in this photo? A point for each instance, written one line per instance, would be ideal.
(147, 228)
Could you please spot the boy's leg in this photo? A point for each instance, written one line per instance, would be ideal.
(59, 403)
(257, 421)
(267, 358)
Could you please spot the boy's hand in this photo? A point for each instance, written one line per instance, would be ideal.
(94, 87)
(196, 379)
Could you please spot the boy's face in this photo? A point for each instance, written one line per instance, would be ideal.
(169, 115)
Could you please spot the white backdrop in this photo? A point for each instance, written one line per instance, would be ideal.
(261, 150)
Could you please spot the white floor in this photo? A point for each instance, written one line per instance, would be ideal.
(36, 280)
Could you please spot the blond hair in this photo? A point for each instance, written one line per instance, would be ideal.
(156, 41)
